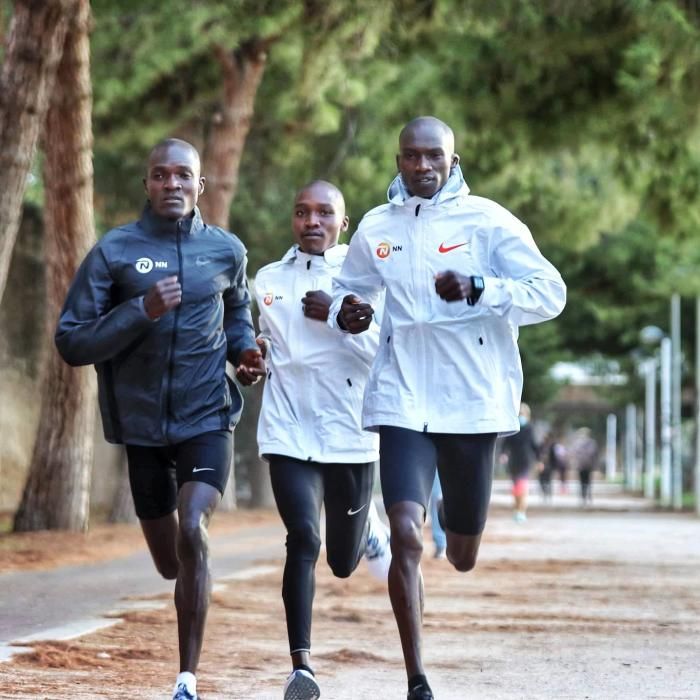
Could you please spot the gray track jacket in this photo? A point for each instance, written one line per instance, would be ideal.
(160, 382)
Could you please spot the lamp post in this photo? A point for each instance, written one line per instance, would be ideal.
(677, 444)
(650, 427)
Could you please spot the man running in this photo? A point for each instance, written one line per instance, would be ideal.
(159, 306)
(460, 274)
(309, 428)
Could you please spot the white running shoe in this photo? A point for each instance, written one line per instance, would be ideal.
(378, 550)
(181, 693)
(301, 685)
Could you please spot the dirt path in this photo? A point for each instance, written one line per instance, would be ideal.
(571, 604)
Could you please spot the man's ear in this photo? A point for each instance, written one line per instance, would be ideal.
(202, 180)
(144, 185)
(455, 160)
(345, 224)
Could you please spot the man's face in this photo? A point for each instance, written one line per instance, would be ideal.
(425, 158)
(318, 218)
(173, 182)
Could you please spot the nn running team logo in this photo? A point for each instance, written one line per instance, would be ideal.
(385, 249)
(145, 265)
(268, 299)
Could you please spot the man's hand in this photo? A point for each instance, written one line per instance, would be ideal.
(451, 286)
(251, 365)
(355, 315)
(316, 305)
(164, 295)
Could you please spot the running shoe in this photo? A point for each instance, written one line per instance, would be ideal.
(301, 685)
(181, 693)
(378, 549)
(420, 692)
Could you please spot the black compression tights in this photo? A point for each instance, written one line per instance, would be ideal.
(300, 489)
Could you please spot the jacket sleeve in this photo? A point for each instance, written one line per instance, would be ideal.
(265, 333)
(358, 276)
(238, 322)
(523, 285)
(90, 330)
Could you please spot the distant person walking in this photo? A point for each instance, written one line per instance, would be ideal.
(558, 461)
(584, 458)
(521, 453)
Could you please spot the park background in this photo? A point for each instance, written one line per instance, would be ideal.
(581, 118)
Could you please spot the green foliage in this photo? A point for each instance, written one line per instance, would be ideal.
(581, 118)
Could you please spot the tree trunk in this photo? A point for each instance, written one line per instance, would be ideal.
(122, 510)
(33, 50)
(56, 495)
(242, 72)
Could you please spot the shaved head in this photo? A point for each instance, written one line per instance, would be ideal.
(428, 125)
(173, 179)
(167, 144)
(426, 155)
(322, 186)
(318, 217)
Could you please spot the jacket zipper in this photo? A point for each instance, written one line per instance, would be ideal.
(420, 273)
(173, 338)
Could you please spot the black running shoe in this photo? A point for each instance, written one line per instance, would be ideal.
(420, 692)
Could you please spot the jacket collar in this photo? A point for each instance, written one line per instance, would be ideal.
(157, 225)
(333, 256)
(454, 187)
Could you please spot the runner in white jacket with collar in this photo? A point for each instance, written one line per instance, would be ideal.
(309, 427)
(460, 275)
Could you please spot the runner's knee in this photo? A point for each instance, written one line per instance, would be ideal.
(303, 542)
(406, 536)
(192, 536)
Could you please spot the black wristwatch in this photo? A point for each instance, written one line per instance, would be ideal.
(477, 289)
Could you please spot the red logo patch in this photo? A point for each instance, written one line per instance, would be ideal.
(383, 250)
(268, 299)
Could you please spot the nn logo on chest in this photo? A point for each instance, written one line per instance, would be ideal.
(384, 250)
(270, 297)
(145, 265)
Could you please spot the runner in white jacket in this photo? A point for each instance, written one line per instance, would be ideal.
(460, 275)
(309, 427)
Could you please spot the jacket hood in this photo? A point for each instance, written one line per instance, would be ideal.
(160, 225)
(455, 186)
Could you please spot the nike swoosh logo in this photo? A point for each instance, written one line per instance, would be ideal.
(447, 248)
(355, 512)
(202, 469)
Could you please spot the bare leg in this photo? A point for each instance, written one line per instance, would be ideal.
(462, 550)
(161, 537)
(406, 581)
(196, 503)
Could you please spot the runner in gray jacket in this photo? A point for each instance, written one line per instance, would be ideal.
(159, 306)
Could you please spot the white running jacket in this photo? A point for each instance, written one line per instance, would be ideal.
(312, 399)
(447, 367)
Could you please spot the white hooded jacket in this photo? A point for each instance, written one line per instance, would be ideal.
(447, 367)
(312, 400)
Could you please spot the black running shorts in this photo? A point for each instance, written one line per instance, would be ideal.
(157, 473)
(408, 460)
